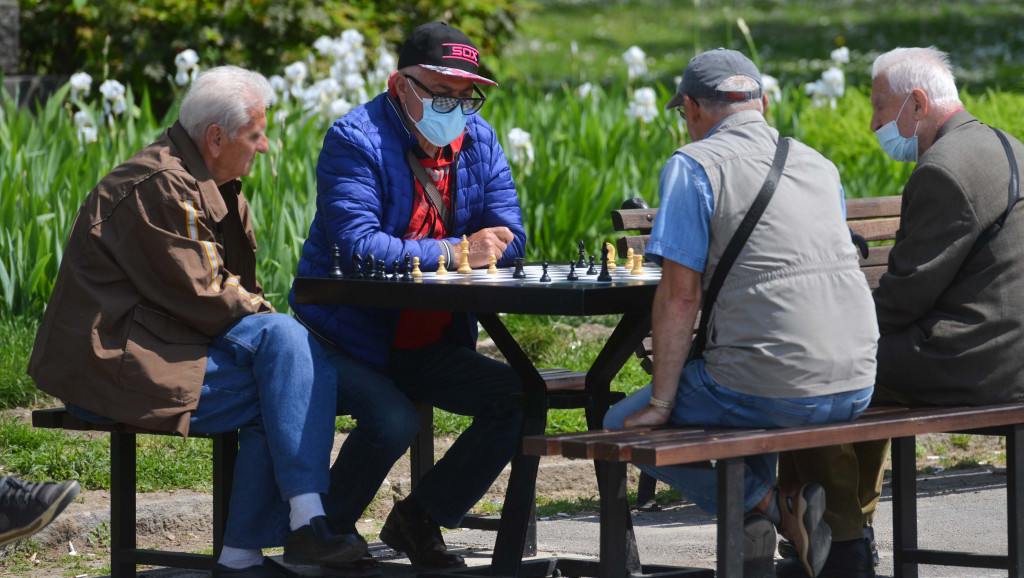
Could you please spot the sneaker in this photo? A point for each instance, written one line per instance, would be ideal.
(27, 507)
(802, 508)
(410, 530)
(316, 543)
(758, 546)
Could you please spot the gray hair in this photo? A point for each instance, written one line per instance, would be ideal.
(223, 96)
(928, 69)
(737, 83)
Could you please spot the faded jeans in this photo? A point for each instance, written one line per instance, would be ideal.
(701, 401)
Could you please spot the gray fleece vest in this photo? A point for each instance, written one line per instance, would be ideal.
(795, 316)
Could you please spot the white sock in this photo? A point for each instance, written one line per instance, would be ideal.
(305, 507)
(238, 558)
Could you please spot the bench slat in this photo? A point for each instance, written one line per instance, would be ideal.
(874, 207)
(633, 219)
(914, 422)
(876, 229)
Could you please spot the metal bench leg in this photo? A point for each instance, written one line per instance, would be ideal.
(730, 518)
(1014, 513)
(619, 557)
(225, 454)
(421, 454)
(122, 503)
(904, 507)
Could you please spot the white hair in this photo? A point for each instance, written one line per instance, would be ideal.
(738, 83)
(927, 69)
(223, 96)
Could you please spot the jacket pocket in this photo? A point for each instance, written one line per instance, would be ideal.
(163, 358)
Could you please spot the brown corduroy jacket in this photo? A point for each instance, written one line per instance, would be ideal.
(159, 262)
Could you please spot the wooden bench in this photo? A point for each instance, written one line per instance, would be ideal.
(566, 391)
(724, 448)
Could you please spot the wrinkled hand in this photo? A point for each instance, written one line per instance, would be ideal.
(483, 244)
(648, 416)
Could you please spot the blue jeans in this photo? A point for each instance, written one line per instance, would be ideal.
(701, 401)
(453, 378)
(266, 377)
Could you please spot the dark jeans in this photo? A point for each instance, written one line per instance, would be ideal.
(455, 379)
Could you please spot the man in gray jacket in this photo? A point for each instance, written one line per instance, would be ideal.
(949, 307)
(790, 338)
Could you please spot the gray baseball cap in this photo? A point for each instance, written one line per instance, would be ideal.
(708, 69)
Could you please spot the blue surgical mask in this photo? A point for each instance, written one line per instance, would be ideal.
(897, 146)
(438, 128)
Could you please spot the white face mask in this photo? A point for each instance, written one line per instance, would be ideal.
(897, 146)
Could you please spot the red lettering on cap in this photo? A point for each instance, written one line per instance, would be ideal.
(461, 52)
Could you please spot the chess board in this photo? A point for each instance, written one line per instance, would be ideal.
(558, 272)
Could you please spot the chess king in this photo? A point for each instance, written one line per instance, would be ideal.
(411, 172)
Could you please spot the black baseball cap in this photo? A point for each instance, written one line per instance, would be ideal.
(708, 69)
(444, 49)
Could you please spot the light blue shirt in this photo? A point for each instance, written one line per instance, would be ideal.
(681, 231)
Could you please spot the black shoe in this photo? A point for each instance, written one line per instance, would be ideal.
(362, 568)
(26, 507)
(846, 559)
(316, 543)
(758, 546)
(264, 570)
(787, 550)
(409, 529)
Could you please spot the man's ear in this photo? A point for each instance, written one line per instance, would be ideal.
(921, 105)
(215, 138)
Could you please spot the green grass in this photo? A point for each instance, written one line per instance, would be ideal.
(16, 388)
(164, 462)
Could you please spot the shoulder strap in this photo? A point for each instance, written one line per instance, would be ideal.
(433, 195)
(739, 239)
(1013, 195)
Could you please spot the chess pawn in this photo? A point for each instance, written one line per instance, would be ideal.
(638, 265)
(416, 268)
(611, 256)
(492, 267)
(464, 267)
(440, 266)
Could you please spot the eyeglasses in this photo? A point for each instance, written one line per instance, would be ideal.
(681, 111)
(445, 104)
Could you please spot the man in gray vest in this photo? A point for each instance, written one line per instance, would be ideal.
(791, 337)
(949, 306)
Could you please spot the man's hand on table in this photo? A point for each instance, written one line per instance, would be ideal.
(483, 244)
(648, 416)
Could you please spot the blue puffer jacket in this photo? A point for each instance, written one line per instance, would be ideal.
(364, 204)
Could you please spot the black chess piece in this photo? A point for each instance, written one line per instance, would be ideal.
(394, 271)
(518, 273)
(407, 268)
(380, 275)
(371, 265)
(572, 272)
(544, 278)
(582, 261)
(335, 272)
(592, 270)
(605, 276)
(357, 266)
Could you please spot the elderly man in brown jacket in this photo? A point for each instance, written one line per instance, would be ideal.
(949, 308)
(157, 321)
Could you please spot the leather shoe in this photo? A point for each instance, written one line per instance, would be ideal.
(317, 543)
(846, 559)
(264, 570)
(409, 529)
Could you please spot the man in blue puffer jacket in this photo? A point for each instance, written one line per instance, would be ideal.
(371, 201)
